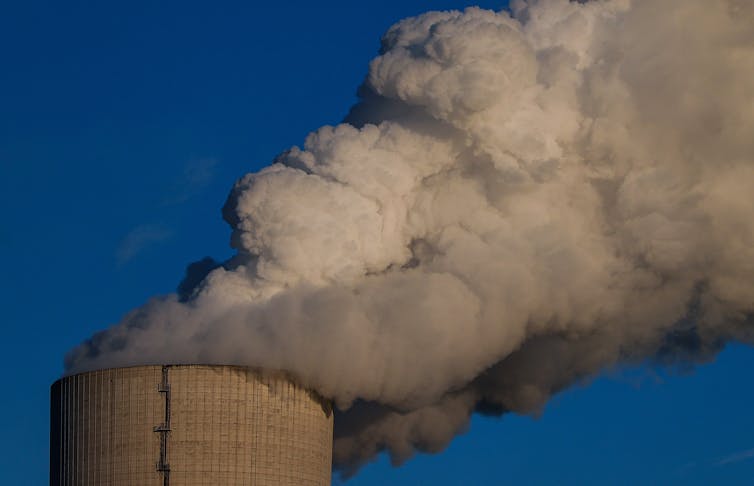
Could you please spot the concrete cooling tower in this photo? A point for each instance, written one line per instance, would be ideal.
(186, 425)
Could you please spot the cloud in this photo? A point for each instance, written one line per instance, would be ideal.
(139, 239)
(196, 176)
(736, 457)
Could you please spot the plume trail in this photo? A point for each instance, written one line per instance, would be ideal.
(519, 200)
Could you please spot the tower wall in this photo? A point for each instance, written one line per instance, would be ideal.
(187, 425)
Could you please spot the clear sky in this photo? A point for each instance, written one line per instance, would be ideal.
(123, 126)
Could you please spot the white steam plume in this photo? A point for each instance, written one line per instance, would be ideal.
(518, 201)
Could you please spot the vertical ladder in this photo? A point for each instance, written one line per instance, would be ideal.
(164, 429)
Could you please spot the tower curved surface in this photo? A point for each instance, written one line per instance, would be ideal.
(187, 425)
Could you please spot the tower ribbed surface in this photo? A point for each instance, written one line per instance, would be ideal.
(187, 425)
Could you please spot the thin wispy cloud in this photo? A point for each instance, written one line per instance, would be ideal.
(736, 457)
(196, 176)
(139, 239)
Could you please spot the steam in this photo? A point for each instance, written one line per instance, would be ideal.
(518, 201)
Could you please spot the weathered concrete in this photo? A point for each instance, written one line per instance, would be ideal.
(227, 426)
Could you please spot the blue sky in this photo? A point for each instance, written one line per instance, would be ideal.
(122, 127)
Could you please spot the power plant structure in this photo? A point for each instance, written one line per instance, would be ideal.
(188, 425)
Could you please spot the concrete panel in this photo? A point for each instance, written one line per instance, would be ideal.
(187, 425)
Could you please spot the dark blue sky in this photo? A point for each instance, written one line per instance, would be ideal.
(123, 126)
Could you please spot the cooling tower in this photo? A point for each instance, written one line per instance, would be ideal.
(186, 425)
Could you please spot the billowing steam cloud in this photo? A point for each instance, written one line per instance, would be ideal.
(518, 201)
